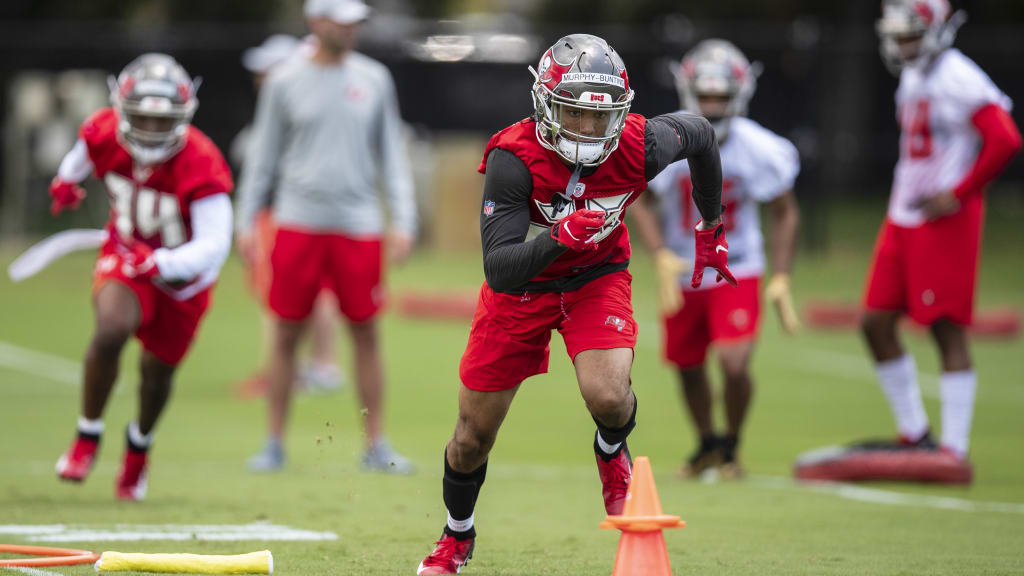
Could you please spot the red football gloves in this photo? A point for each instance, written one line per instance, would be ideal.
(712, 252)
(65, 195)
(576, 229)
(138, 262)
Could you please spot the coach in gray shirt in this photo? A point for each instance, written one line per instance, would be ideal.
(327, 135)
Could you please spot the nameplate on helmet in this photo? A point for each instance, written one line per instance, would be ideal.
(594, 78)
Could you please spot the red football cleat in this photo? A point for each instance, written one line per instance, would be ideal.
(132, 479)
(75, 464)
(615, 477)
(448, 557)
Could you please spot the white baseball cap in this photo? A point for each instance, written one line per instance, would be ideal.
(273, 51)
(340, 11)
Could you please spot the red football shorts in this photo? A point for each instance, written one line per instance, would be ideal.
(304, 262)
(930, 271)
(721, 314)
(168, 325)
(508, 341)
(259, 272)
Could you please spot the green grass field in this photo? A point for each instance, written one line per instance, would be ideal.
(539, 511)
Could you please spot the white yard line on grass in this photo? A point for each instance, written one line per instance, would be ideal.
(889, 497)
(257, 531)
(32, 571)
(40, 364)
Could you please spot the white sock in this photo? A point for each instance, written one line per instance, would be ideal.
(957, 390)
(137, 437)
(460, 525)
(86, 426)
(899, 382)
(606, 447)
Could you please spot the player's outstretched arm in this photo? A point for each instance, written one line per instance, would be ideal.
(74, 169)
(672, 137)
(785, 221)
(209, 246)
(509, 260)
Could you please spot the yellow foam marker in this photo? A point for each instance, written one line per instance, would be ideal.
(261, 562)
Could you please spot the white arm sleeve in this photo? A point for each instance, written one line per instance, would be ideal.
(209, 246)
(76, 165)
(395, 164)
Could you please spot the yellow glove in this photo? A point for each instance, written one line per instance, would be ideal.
(669, 268)
(777, 292)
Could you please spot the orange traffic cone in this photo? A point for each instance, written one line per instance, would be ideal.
(642, 549)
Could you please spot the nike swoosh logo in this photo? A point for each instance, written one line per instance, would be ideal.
(721, 248)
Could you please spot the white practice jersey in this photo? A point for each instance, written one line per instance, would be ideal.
(938, 142)
(757, 166)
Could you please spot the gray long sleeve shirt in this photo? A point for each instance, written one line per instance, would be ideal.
(326, 137)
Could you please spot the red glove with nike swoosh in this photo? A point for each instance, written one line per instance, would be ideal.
(138, 261)
(575, 229)
(712, 252)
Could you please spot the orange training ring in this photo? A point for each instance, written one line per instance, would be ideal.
(51, 556)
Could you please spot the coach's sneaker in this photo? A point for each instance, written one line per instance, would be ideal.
(271, 459)
(383, 457)
(75, 464)
(320, 379)
(132, 479)
(707, 455)
(448, 557)
(615, 476)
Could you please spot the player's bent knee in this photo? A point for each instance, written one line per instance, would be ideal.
(610, 404)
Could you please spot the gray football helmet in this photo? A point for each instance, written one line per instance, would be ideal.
(155, 100)
(716, 68)
(581, 75)
(933, 21)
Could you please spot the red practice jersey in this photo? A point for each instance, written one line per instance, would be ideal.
(613, 186)
(151, 204)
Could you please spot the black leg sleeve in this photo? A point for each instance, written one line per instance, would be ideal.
(460, 493)
(615, 435)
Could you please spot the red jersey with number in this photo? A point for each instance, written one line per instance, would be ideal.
(938, 142)
(615, 184)
(151, 204)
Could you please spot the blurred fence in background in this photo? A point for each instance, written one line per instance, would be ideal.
(460, 79)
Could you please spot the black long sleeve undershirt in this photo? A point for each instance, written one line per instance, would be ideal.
(671, 137)
(510, 262)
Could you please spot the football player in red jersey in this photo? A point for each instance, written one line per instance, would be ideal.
(555, 258)
(169, 233)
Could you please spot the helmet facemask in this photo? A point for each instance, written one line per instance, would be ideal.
(155, 101)
(581, 98)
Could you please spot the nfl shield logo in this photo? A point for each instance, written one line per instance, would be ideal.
(578, 191)
(488, 207)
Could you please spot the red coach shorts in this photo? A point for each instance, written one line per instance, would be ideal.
(721, 314)
(930, 271)
(509, 339)
(168, 326)
(304, 262)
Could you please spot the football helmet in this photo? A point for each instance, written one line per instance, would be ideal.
(581, 96)
(933, 21)
(155, 100)
(716, 68)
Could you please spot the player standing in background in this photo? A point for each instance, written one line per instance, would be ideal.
(169, 234)
(956, 136)
(717, 81)
(322, 372)
(327, 129)
(556, 255)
